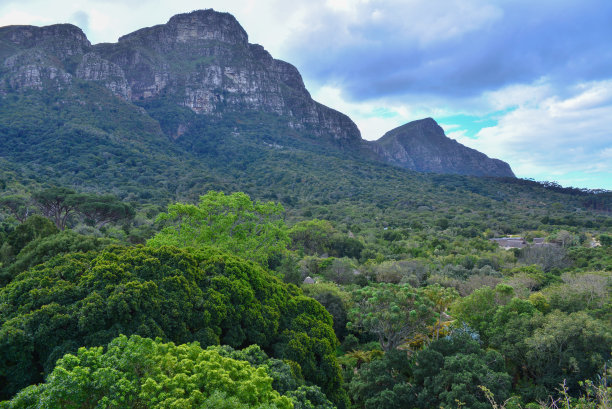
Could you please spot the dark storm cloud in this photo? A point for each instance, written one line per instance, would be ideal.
(517, 42)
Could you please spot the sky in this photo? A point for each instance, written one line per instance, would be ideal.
(528, 82)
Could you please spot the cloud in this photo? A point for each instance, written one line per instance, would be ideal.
(568, 139)
(81, 19)
(457, 49)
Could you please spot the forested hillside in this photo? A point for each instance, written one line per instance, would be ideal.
(163, 252)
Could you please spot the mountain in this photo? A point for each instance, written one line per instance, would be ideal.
(422, 146)
(200, 60)
(198, 73)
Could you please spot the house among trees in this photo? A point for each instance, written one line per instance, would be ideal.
(510, 242)
(309, 280)
(520, 242)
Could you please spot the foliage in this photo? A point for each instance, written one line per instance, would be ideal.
(313, 237)
(573, 347)
(384, 383)
(232, 223)
(442, 298)
(57, 203)
(44, 248)
(394, 313)
(450, 369)
(336, 302)
(100, 210)
(208, 296)
(139, 372)
(33, 228)
(19, 206)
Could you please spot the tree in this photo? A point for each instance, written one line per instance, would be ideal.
(312, 236)
(206, 296)
(35, 227)
(44, 248)
(384, 383)
(100, 210)
(394, 313)
(573, 347)
(477, 310)
(233, 223)
(335, 302)
(57, 203)
(18, 205)
(450, 369)
(138, 372)
(442, 298)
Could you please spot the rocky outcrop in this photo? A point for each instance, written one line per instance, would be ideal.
(95, 68)
(59, 40)
(203, 61)
(422, 146)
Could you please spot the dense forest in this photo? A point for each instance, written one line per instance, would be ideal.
(155, 257)
(231, 302)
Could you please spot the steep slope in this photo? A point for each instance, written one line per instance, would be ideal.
(422, 146)
(196, 76)
(203, 60)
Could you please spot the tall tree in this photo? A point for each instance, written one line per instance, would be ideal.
(19, 206)
(104, 209)
(392, 312)
(57, 203)
(442, 298)
(230, 222)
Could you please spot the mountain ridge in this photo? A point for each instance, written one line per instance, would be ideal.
(203, 61)
(422, 145)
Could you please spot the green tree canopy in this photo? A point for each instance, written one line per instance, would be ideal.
(35, 227)
(450, 370)
(57, 203)
(103, 209)
(207, 296)
(384, 383)
(232, 223)
(394, 313)
(138, 372)
(19, 206)
(573, 347)
(44, 248)
(312, 236)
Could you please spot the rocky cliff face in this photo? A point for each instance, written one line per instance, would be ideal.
(35, 57)
(422, 146)
(203, 61)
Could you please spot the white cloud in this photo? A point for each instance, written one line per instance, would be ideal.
(554, 136)
(18, 17)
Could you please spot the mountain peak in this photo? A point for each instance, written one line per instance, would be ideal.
(422, 145)
(199, 25)
(60, 40)
(208, 25)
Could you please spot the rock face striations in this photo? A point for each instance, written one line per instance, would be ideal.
(422, 146)
(203, 61)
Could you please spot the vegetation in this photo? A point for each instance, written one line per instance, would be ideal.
(129, 253)
(139, 372)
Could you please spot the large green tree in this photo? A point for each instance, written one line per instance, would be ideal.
(384, 383)
(252, 230)
(205, 296)
(102, 209)
(448, 372)
(57, 203)
(394, 313)
(19, 206)
(138, 372)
